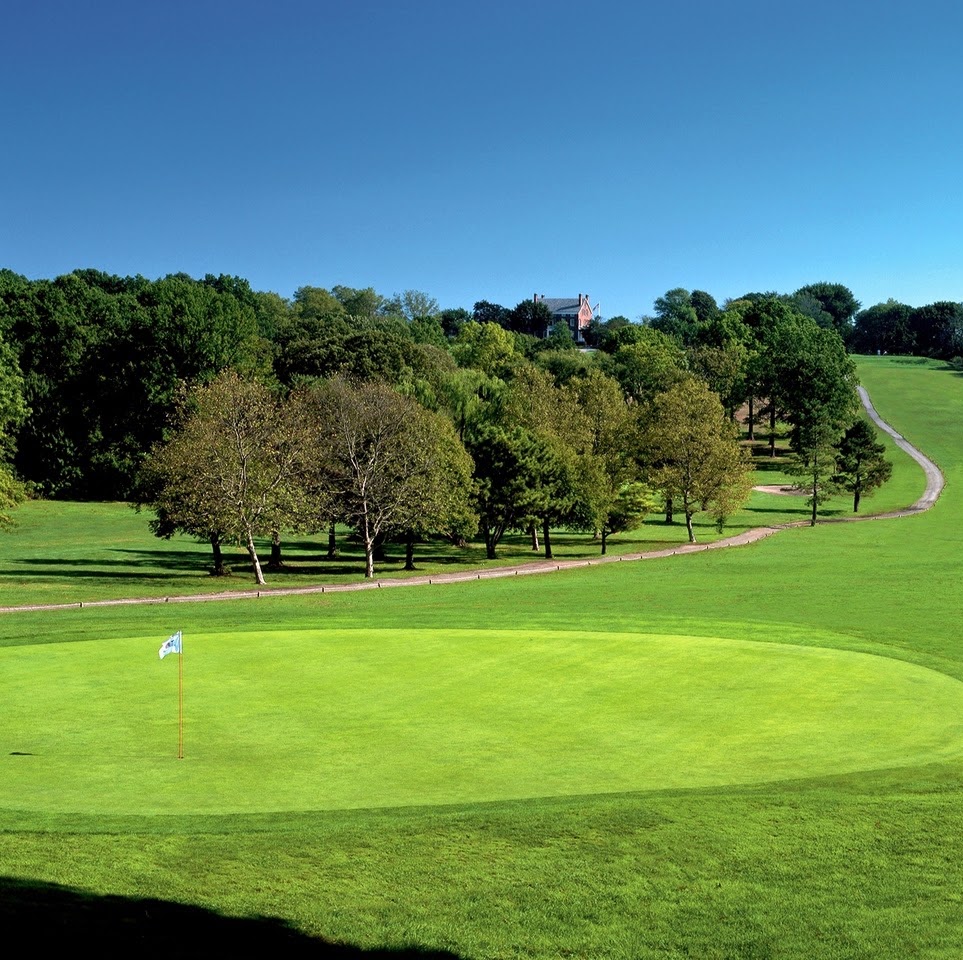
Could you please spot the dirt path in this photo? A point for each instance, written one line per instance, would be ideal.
(934, 486)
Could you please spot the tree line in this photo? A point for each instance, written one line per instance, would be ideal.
(238, 414)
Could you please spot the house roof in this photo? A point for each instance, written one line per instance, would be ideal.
(561, 304)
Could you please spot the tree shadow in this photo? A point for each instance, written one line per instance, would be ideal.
(55, 917)
(767, 464)
(164, 563)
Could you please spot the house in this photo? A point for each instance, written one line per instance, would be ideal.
(578, 314)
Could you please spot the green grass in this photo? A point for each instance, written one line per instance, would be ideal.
(418, 717)
(805, 801)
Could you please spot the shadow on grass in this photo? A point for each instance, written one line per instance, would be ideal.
(766, 465)
(76, 921)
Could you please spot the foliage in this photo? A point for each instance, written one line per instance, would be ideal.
(630, 505)
(861, 465)
(649, 365)
(233, 468)
(530, 317)
(676, 317)
(560, 337)
(816, 382)
(12, 493)
(391, 465)
(507, 465)
(486, 347)
(937, 329)
(102, 360)
(485, 312)
(691, 453)
(883, 328)
(834, 300)
(610, 500)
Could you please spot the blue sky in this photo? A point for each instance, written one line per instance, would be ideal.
(489, 150)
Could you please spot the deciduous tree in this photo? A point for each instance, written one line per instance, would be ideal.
(691, 451)
(234, 467)
(505, 480)
(384, 457)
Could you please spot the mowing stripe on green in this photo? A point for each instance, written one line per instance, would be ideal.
(316, 720)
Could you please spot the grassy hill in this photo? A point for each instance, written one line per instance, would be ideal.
(753, 752)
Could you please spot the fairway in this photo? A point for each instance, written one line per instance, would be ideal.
(340, 719)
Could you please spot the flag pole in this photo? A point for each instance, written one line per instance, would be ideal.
(180, 701)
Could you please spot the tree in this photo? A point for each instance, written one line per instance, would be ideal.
(626, 510)
(766, 317)
(13, 412)
(724, 369)
(384, 457)
(817, 383)
(883, 328)
(649, 365)
(676, 317)
(560, 337)
(415, 304)
(439, 491)
(609, 497)
(505, 480)
(835, 300)
(234, 467)
(486, 347)
(690, 451)
(531, 317)
(360, 304)
(937, 329)
(485, 312)
(453, 319)
(705, 306)
(861, 466)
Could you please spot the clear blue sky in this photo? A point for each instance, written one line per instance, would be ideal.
(489, 150)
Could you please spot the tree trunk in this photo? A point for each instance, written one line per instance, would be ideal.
(687, 509)
(369, 548)
(856, 500)
(332, 542)
(218, 569)
(605, 536)
(491, 541)
(772, 430)
(668, 509)
(410, 552)
(276, 561)
(547, 538)
(752, 418)
(252, 553)
(533, 532)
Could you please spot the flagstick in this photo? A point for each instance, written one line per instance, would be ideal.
(180, 702)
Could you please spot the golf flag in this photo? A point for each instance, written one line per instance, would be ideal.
(170, 645)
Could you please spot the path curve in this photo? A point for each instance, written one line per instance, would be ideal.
(934, 486)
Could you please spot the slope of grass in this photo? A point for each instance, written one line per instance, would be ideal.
(847, 865)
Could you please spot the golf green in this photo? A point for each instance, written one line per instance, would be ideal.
(321, 720)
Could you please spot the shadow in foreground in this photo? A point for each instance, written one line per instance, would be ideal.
(63, 918)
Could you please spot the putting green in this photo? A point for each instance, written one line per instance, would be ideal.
(332, 720)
